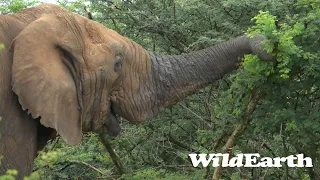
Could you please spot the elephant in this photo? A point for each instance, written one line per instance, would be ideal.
(63, 74)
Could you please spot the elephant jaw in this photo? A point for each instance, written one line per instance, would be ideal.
(112, 125)
(101, 119)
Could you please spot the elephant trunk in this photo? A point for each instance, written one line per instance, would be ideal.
(177, 76)
(164, 80)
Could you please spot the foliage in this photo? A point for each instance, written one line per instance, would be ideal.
(159, 174)
(66, 162)
(10, 175)
(12, 6)
(288, 114)
(286, 119)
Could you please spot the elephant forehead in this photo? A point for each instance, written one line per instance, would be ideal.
(96, 57)
(99, 34)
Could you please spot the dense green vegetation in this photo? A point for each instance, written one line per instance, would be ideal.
(271, 108)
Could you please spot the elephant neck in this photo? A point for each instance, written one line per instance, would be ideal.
(177, 76)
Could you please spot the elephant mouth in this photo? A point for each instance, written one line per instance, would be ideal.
(112, 125)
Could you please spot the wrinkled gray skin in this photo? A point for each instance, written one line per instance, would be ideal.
(62, 73)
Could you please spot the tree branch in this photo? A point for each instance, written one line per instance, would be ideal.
(239, 130)
(114, 156)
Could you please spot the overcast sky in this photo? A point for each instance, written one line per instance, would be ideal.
(51, 1)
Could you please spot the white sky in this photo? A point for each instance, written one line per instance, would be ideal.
(50, 1)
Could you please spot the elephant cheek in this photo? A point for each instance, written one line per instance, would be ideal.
(132, 109)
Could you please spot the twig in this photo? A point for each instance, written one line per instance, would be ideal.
(89, 166)
(185, 167)
(285, 149)
(68, 163)
(108, 177)
(174, 141)
(263, 177)
(54, 143)
(209, 125)
(139, 142)
(219, 140)
(180, 144)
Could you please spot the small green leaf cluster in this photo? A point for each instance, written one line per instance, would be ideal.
(58, 160)
(10, 175)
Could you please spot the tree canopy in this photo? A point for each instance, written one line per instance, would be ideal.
(270, 108)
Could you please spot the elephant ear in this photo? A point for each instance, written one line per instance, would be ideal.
(40, 77)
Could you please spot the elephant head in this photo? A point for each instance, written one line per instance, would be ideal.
(64, 69)
(77, 75)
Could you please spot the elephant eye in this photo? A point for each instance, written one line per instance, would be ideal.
(118, 63)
